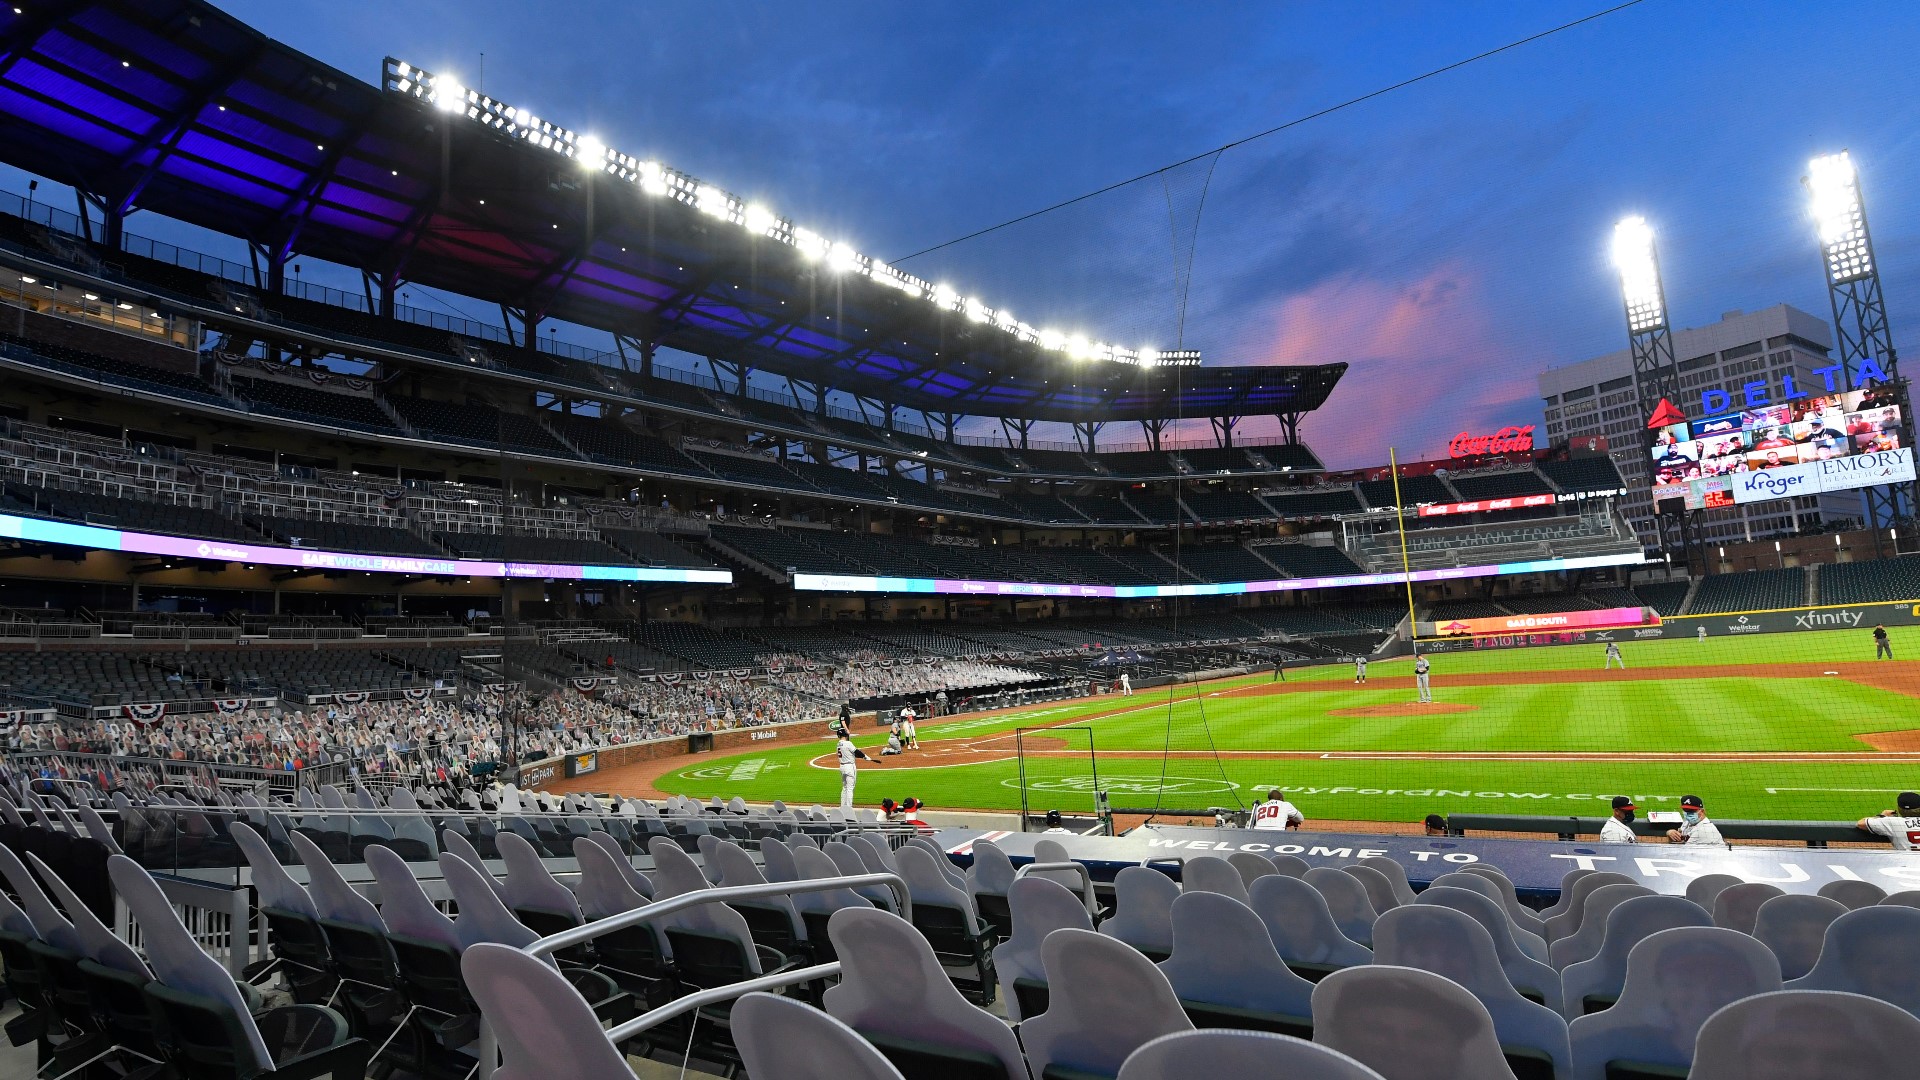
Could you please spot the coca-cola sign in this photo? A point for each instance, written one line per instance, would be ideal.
(1508, 440)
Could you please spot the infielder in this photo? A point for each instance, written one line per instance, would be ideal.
(1359, 669)
(1882, 648)
(1420, 679)
(1613, 657)
(849, 772)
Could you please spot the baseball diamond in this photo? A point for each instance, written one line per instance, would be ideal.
(1802, 726)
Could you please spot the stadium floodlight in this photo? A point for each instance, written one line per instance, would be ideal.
(445, 93)
(711, 201)
(1840, 217)
(1639, 268)
(811, 245)
(758, 219)
(448, 94)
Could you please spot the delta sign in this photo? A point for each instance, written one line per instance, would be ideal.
(1756, 394)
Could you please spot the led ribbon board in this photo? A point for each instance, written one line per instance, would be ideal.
(1555, 622)
(860, 583)
(186, 547)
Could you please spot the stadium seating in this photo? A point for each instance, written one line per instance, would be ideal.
(522, 548)
(350, 536)
(1414, 490)
(131, 514)
(1307, 560)
(313, 406)
(1757, 590)
(1664, 597)
(1498, 485)
(1871, 582)
(1584, 474)
(1225, 506)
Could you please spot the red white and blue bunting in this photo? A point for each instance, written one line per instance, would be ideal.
(230, 705)
(148, 712)
(351, 697)
(415, 693)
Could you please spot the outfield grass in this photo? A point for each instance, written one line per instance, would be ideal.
(1752, 709)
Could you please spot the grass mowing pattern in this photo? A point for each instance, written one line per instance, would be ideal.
(1766, 694)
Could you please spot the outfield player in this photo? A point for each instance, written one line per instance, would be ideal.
(1702, 637)
(1616, 830)
(849, 772)
(1126, 685)
(1613, 657)
(1901, 825)
(1277, 812)
(1420, 679)
(1359, 669)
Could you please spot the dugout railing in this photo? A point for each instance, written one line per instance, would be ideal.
(1813, 834)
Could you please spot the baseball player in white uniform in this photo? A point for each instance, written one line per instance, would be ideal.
(1126, 685)
(907, 737)
(1694, 826)
(1702, 636)
(1277, 813)
(849, 772)
(1420, 679)
(1615, 830)
(1359, 669)
(1900, 826)
(1614, 657)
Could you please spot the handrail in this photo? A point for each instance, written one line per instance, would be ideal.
(654, 1017)
(586, 932)
(1086, 878)
(489, 1044)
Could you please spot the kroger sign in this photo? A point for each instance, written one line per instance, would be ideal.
(1755, 395)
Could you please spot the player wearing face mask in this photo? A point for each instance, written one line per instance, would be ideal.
(1695, 828)
(1615, 831)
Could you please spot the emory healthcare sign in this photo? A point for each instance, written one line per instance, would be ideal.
(1508, 440)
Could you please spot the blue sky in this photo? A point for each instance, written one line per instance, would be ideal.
(1448, 240)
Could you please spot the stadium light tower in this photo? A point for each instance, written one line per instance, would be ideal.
(1656, 378)
(1859, 309)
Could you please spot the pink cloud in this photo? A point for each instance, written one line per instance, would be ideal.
(1426, 361)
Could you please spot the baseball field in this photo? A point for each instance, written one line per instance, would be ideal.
(1784, 726)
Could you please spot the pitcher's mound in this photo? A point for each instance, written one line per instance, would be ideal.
(1406, 708)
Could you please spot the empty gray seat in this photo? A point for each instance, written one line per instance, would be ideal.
(1807, 1034)
(1795, 928)
(1676, 979)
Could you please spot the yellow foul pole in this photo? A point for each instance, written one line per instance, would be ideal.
(1400, 518)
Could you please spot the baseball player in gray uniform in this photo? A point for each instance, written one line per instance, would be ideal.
(1420, 679)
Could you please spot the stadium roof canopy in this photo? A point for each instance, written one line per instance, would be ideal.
(174, 107)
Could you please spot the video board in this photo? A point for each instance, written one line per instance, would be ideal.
(1797, 447)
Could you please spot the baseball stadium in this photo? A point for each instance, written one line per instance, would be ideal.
(514, 583)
